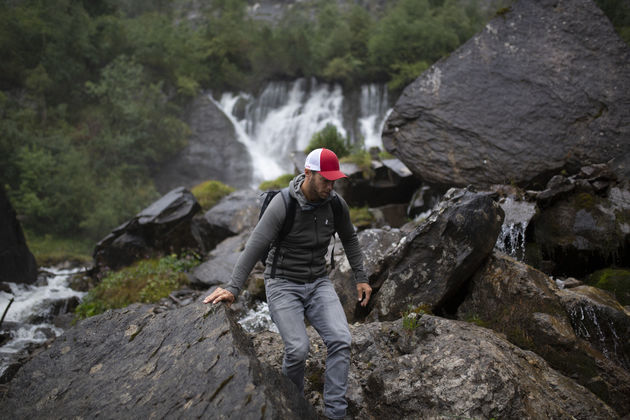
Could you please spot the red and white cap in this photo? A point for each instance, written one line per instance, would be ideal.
(325, 162)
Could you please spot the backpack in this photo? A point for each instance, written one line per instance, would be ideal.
(289, 205)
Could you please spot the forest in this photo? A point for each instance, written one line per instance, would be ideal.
(93, 92)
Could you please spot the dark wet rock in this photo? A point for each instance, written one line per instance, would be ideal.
(375, 244)
(17, 263)
(213, 152)
(583, 232)
(520, 302)
(124, 363)
(163, 227)
(544, 87)
(598, 318)
(385, 182)
(433, 262)
(232, 215)
(442, 368)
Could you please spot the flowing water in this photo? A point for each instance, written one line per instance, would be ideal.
(285, 115)
(27, 320)
(511, 240)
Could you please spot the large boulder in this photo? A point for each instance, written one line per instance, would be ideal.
(163, 227)
(442, 368)
(190, 362)
(17, 263)
(544, 87)
(433, 262)
(520, 302)
(213, 152)
(375, 245)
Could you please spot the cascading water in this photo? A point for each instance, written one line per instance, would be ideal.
(285, 115)
(511, 240)
(26, 319)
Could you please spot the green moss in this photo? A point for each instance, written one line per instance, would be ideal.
(146, 281)
(614, 280)
(276, 184)
(475, 319)
(50, 250)
(584, 200)
(361, 217)
(503, 11)
(209, 193)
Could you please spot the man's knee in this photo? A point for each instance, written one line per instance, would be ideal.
(297, 352)
(340, 341)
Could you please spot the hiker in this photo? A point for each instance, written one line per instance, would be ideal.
(299, 286)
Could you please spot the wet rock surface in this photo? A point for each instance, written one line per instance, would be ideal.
(442, 368)
(432, 263)
(124, 363)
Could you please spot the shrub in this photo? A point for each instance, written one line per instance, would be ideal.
(331, 139)
(146, 281)
(363, 159)
(361, 217)
(209, 193)
(276, 184)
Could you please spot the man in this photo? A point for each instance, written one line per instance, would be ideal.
(301, 287)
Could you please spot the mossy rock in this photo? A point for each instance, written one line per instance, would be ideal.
(209, 193)
(614, 280)
(276, 184)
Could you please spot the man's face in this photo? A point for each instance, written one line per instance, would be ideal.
(320, 186)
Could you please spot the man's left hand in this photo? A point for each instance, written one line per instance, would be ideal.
(365, 291)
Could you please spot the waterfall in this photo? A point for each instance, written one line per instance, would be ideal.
(511, 240)
(285, 115)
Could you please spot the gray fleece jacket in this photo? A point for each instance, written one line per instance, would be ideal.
(303, 251)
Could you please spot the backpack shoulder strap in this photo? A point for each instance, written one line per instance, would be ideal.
(289, 205)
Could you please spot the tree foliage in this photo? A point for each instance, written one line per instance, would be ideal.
(92, 92)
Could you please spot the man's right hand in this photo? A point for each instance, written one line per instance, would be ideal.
(219, 294)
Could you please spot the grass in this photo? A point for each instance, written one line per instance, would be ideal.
(147, 281)
(50, 250)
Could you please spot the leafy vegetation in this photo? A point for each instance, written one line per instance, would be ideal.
(92, 93)
(276, 184)
(330, 138)
(361, 217)
(209, 193)
(146, 281)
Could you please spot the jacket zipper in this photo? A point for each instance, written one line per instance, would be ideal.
(316, 243)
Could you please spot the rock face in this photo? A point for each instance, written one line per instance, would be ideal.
(582, 224)
(544, 87)
(163, 227)
(442, 369)
(520, 302)
(17, 263)
(213, 152)
(126, 364)
(433, 262)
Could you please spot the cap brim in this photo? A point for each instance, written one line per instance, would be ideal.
(333, 175)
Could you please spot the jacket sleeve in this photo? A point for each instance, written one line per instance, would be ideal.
(263, 235)
(350, 242)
